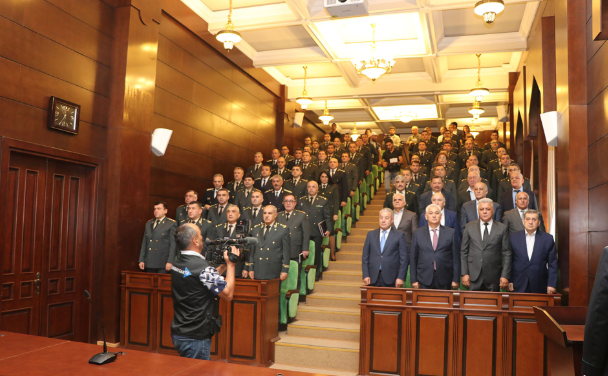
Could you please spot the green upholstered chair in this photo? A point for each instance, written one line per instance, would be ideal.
(292, 296)
(347, 219)
(338, 232)
(308, 271)
(326, 252)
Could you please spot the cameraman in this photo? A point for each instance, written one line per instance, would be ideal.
(391, 161)
(195, 286)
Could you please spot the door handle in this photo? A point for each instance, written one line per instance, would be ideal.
(37, 282)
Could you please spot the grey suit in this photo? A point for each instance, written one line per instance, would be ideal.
(299, 231)
(485, 261)
(158, 244)
(469, 213)
(408, 224)
(512, 219)
(271, 256)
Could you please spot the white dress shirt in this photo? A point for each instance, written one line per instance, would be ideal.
(442, 222)
(530, 243)
(431, 233)
(397, 217)
(483, 228)
(522, 213)
(471, 194)
(385, 239)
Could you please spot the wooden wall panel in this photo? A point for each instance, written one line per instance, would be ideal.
(480, 351)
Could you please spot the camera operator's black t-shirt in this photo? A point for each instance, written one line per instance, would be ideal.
(195, 285)
(388, 155)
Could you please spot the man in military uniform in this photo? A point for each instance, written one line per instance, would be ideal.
(254, 213)
(489, 154)
(181, 214)
(315, 148)
(326, 141)
(307, 149)
(210, 197)
(217, 212)
(275, 154)
(309, 168)
(502, 172)
(285, 154)
(495, 163)
(228, 230)
(340, 179)
(256, 169)
(352, 173)
(346, 141)
(195, 216)
(264, 182)
(298, 225)
(409, 184)
(505, 184)
(448, 184)
(317, 209)
(237, 184)
(411, 200)
(338, 148)
(471, 161)
(275, 195)
(296, 184)
(270, 258)
(417, 176)
(322, 163)
(494, 137)
(281, 169)
(243, 197)
(467, 152)
(297, 159)
(356, 158)
(157, 251)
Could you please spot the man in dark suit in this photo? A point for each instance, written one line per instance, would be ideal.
(254, 213)
(448, 184)
(366, 160)
(436, 186)
(181, 213)
(334, 133)
(275, 195)
(317, 208)
(195, 216)
(340, 180)
(157, 250)
(269, 259)
(237, 184)
(466, 195)
(296, 184)
(404, 220)
(448, 218)
(243, 197)
(385, 254)
(281, 169)
(322, 163)
(534, 267)
(217, 212)
(485, 253)
(309, 168)
(228, 230)
(210, 196)
(507, 201)
(356, 158)
(264, 182)
(472, 161)
(258, 160)
(514, 218)
(298, 225)
(411, 200)
(435, 254)
(469, 211)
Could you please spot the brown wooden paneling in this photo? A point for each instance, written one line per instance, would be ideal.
(385, 348)
(94, 13)
(597, 152)
(432, 346)
(528, 348)
(480, 351)
(597, 113)
(598, 202)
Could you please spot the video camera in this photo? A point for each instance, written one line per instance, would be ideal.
(217, 247)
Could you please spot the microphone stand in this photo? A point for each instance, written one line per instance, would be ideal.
(105, 357)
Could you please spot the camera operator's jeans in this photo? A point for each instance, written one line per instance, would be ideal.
(388, 178)
(192, 348)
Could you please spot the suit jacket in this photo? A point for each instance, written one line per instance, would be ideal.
(595, 346)
(427, 159)
(469, 213)
(422, 179)
(206, 228)
(231, 188)
(257, 184)
(394, 259)
(366, 162)
(497, 176)
(270, 198)
(299, 189)
(214, 217)
(341, 180)
(286, 174)
(424, 259)
(535, 270)
(411, 201)
(352, 177)
(492, 259)
(310, 172)
(451, 221)
(208, 197)
(505, 185)
(425, 200)
(241, 201)
(299, 231)
(512, 219)
(317, 211)
(271, 162)
(488, 145)
(158, 245)
(271, 256)
(464, 174)
(448, 185)
(258, 173)
(464, 197)
(486, 157)
(408, 224)
(506, 200)
(247, 214)
(181, 214)
(293, 162)
(463, 156)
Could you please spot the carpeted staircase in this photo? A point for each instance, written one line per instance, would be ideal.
(324, 338)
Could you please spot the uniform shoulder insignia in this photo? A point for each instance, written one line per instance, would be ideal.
(290, 180)
(282, 225)
(247, 208)
(287, 190)
(259, 225)
(304, 179)
(150, 220)
(181, 206)
(219, 225)
(268, 191)
(206, 220)
(341, 170)
(301, 211)
(210, 189)
(258, 178)
(171, 219)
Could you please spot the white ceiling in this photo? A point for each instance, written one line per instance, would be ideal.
(433, 42)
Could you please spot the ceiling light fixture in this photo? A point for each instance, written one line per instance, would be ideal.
(373, 66)
(476, 110)
(474, 132)
(406, 117)
(489, 9)
(304, 100)
(479, 91)
(228, 36)
(326, 117)
(354, 134)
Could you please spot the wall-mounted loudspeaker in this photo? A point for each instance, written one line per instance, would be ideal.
(160, 141)
(550, 121)
(298, 119)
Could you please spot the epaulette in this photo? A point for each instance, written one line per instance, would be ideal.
(259, 225)
(257, 179)
(303, 197)
(304, 179)
(181, 206)
(219, 225)
(205, 219)
(210, 189)
(301, 211)
(171, 219)
(282, 225)
(287, 190)
(268, 191)
(291, 180)
(149, 220)
(247, 208)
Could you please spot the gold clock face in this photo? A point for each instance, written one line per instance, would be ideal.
(65, 116)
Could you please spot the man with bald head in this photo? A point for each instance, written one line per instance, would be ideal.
(466, 195)
(507, 200)
(469, 211)
(514, 218)
(449, 218)
(404, 220)
(464, 183)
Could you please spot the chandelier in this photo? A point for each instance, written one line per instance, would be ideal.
(373, 66)
(476, 110)
(354, 134)
(489, 9)
(228, 36)
(326, 117)
(304, 100)
(406, 118)
(474, 132)
(479, 91)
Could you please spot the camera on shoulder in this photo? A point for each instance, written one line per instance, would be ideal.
(217, 247)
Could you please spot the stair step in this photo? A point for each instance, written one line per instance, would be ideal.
(338, 287)
(345, 265)
(343, 275)
(358, 232)
(317, 352)
(350, 246)
(325, 329)
(345, 255)
(333, 300)
(317, 371)
(321, 313)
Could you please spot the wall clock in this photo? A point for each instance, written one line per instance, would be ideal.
(64, 116)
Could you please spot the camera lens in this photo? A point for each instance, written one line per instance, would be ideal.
(342, 1)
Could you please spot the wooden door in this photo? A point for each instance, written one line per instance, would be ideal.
(49, 204)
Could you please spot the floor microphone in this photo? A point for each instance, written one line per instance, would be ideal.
(105, 357)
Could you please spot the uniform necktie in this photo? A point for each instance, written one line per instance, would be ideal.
(230, 230)
(352, 156)
(288, 214)
(235, 185)
(219, 212)
(469, 153)
(215, 193)
(422, 154)
(486, 234)
(192, 221)
(332, 173)
(343, 165)
(266, 232)
(310, 199)
(324, 186)
(276, 193)
(155, 223)
(264, 182)
(255, 212)
(382, 241)
(504, 172)
(246, 194)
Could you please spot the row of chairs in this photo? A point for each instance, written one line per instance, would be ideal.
(290, 293)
